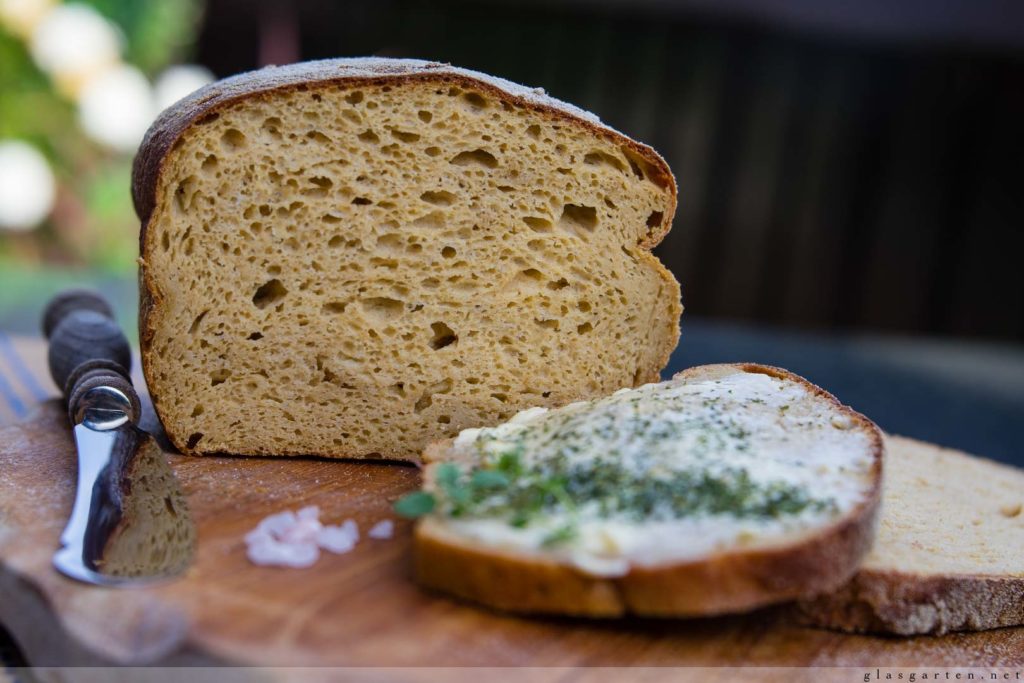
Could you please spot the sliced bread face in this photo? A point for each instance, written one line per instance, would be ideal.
(356, 257)
(949, 555)
(728, 488)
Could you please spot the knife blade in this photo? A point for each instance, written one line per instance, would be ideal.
(129, 522)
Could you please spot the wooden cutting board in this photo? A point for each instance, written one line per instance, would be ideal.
(358, 609)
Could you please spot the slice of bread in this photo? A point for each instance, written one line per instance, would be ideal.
(727, 488)
(355, 257)
(949, 555)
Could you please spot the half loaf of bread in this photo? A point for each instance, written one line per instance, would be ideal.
(950, 549)
(355, 257)
(728, 488)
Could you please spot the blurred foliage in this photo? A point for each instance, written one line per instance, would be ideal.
(158, 32)
(29, 107)
(93, 223)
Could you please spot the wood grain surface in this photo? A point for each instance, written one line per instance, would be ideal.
(358, 609)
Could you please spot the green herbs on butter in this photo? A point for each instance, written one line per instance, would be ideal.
(605, 489)
(416, 504)
(614, 461)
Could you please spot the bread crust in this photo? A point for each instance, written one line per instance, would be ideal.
(722, 583)
(167, 130)
(909, 604)
(892, 601)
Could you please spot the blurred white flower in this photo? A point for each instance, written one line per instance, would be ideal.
(74, 44)
(27, 187)
(178, 81)
(22, 16)
(116, 108)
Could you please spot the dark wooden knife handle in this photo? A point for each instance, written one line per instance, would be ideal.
(86, 343)
(73, 300)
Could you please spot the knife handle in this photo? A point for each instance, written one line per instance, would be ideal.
(87, 348)
(73, 300)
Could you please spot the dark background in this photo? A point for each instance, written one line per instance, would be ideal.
(841, 166)
(850, 173)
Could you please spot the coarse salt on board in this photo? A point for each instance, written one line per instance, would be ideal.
(294, 539)
(382, 529)
(339, 539)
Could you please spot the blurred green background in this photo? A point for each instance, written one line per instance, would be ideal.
(91, 232)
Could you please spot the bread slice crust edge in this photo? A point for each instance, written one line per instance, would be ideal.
(726, 582)
(893, 601)
(908, 604)
(160, 140)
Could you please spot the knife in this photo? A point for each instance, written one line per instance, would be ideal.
(129, 523)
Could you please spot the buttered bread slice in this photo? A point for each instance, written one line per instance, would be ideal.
(356, 257)
(727, 488)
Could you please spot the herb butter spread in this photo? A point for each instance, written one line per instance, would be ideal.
(665, 472)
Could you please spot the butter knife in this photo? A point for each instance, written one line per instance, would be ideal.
(130, 522)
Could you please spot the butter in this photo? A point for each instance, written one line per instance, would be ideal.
(667, 472)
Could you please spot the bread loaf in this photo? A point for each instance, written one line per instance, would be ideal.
(950, 549)
(728, 488)
(355, 257)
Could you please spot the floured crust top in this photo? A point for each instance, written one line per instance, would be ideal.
(176, 119)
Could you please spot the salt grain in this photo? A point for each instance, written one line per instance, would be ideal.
(351, 527)
(267, 551)
(277, 524)
(337, 539)
(382, 529)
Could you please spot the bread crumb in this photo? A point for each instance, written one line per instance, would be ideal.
(1011, 510)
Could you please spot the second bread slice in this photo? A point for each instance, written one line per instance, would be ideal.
(950, 549)
(728, 488)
